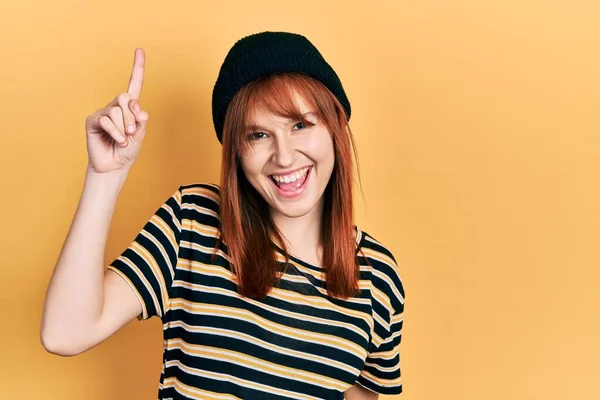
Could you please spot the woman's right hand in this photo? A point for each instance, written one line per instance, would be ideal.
(115, 132)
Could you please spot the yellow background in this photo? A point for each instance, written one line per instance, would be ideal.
(477, 128)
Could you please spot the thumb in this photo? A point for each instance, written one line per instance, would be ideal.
(141, 116)
(142, 119)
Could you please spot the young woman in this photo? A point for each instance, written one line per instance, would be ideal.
(265, 287)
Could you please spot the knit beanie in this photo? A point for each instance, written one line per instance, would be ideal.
(266, 53)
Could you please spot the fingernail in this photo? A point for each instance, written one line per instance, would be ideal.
(130, 128)
(137, 107)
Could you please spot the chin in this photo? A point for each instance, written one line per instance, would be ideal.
(294, 210)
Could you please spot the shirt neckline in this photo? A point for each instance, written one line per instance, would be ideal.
(359, 242)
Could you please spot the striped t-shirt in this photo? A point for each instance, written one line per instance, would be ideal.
(297, 343)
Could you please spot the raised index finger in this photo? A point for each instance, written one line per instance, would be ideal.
(137, 74)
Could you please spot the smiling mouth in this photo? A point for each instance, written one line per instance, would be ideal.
(291, 182)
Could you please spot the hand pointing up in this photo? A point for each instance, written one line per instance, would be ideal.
(115, 132)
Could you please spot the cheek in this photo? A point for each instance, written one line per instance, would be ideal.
(322, 147)
(252, 164)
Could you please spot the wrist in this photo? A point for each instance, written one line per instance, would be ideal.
(111, 178)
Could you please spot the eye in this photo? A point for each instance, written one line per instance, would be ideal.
(300, 125)
(257, 135)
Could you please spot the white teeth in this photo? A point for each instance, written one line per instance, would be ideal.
(291, 177)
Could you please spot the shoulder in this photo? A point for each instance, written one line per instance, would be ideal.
(385, 272)
(200, 201)
(200, 188)
(202, 194)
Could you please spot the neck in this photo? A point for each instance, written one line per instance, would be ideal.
(302, 234)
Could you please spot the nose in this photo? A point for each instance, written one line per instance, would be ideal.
(284, 151)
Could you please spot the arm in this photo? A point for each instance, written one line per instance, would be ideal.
(84, 304)
(357, 392)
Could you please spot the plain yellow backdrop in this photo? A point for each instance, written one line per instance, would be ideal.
(477, 125)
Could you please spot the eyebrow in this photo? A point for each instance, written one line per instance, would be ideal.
(256, 128)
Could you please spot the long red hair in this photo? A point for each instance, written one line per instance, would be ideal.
(247, 228)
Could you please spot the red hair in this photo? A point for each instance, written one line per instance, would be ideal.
(247, 228)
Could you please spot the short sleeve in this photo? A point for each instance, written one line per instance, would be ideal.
(149, 262)
(381, 371)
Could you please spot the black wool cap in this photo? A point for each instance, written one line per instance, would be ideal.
(267, 53)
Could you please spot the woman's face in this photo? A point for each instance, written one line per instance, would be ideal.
(289, 162)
